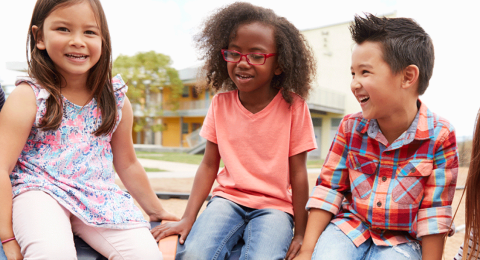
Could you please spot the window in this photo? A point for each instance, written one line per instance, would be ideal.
(184, 128)
(317, 121)
(336, 122)
(196, 126)
(186, 91)
(194, 92)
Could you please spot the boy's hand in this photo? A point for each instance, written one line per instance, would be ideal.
(294, 248)
(181, 227)
(12, 250)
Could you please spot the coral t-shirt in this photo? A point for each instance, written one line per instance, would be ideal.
(255, 148)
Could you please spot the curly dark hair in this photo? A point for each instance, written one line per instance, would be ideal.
(404, 43)
(294, 55)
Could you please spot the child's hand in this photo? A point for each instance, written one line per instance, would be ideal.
(164, 215)
(181, 227)
(12, 250)
(294, 248)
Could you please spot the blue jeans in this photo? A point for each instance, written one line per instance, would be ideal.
(267, 233)
(2, 254)
(334, 244)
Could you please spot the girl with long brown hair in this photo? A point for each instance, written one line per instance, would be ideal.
(61, 131)
(472, 203)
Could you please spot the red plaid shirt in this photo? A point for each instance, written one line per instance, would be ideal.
(392, 193)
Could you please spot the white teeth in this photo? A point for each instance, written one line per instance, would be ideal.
(76, 56)
(363, 99)
(243, 77)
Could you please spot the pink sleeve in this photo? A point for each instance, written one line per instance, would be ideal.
(208, 128)
(302, 137)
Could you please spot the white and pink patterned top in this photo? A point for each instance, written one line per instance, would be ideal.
(74, 166)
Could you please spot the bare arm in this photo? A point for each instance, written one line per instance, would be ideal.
(318, 220)
(204, 178)
(299, 182)
(130, 170)
(432, 247)
(16, 120)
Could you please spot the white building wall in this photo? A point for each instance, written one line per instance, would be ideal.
(332, 46)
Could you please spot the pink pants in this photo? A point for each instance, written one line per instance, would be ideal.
(44, 230)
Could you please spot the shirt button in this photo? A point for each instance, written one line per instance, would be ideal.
(384, 178)
(379, 204)
(414, 170)
(358, 165)
(387, 152)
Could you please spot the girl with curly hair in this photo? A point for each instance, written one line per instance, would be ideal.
(261, 128)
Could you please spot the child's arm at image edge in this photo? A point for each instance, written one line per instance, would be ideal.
(16, 120)
(130, 170)
(204, 178)
(299, 182)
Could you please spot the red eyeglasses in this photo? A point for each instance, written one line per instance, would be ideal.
(252, 58)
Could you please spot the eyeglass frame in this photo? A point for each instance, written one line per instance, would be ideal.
(266, 55)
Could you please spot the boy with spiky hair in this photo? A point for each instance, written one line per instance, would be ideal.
(389, 178)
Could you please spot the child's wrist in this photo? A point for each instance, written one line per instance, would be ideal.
(8, 240)
(188, 219)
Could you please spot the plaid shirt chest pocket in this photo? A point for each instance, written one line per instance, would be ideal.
(410, 180)
(362, 172)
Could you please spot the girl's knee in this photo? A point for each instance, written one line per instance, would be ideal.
(147, 253)
(49, 250)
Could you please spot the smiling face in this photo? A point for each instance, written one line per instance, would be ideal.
(253, 37)
(72, 39)
(374, 85)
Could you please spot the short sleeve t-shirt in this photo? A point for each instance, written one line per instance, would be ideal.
(255, 148)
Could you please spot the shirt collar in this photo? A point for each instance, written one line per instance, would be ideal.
(421, 128)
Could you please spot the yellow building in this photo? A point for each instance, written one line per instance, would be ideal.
(182, 125)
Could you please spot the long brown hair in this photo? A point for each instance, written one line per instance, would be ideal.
(472, 202)
(42, 69)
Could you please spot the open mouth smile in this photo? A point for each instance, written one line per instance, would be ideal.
(77, 56)
(363, 99)
(244, 76)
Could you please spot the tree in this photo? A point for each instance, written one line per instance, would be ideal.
(146, 74)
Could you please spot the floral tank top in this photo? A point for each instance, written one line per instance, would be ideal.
(74, 166)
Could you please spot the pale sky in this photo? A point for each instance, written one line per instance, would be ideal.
(168, 26)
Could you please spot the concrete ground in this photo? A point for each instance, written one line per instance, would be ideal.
(178, 177)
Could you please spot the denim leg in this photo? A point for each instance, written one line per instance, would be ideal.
(215, 232)
(334, 244)
(267, 235)
(411, 250)
(2, 254)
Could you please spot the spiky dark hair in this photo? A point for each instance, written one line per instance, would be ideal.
(404, 43)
